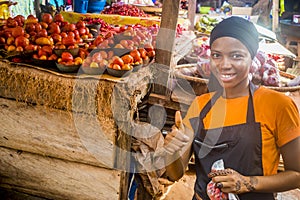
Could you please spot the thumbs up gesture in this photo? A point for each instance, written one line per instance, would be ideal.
(176, 139)
(178, 121)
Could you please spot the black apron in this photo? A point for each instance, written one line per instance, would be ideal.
(239, 146)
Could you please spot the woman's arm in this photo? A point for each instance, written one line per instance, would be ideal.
(177, 149)
(289, 179)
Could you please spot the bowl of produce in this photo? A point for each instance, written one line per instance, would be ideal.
(117, 71)
(67, 67)
(93, 70)
(74, 51)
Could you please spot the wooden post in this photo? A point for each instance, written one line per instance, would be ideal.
(165, 43)
(275, 11)
(192, 13)
(167, 33)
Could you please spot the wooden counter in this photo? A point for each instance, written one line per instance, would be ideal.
(63, 136)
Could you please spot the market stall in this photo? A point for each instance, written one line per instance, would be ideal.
(69, 112)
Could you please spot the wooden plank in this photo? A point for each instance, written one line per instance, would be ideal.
(56, 133)
(275, 16)
(167, 33)
(55, 178)
(191, 13)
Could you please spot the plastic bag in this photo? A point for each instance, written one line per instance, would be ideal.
(215, 193)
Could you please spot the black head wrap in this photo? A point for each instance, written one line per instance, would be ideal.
(240, 29)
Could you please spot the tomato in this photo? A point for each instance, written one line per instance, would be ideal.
(19, 49)
(47, 17)
(30, 27)
(52, 57)
(42, 33)
(151, 54)
(69, 40)
(71, 27)
(38, 27)
(138, 61)
(64, 34)
(80, 24)
(17, 31)
(126, 67)
(66, 56)
(110, 54)
(58, 18)
(44, 25)
(82, 31)
(96, 57)
(71, 34)
(143, 52)
(20, 19)
(104, 55)
(22, 41)
(30, 47)
(47, 49)
(148, 47)
(116, 67)
(78, 61)
(54, 28)
(56, 37)
(135, 54)
(117, 60)
(42, 53)
(127, 59)
(103, 63)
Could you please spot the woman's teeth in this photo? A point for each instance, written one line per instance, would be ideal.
(226, 75)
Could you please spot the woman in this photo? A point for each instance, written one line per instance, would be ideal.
(244, 126)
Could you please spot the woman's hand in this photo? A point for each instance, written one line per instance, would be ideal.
(230, 181)
(176, 139)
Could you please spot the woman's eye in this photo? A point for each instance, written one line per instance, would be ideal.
(215, 55)
(237, 56)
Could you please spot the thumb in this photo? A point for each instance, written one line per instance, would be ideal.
(178, 120)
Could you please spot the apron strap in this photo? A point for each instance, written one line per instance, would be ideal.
(250, 111)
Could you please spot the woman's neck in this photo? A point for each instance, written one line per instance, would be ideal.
(238, 91)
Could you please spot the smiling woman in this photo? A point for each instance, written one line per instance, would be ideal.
(239, 124)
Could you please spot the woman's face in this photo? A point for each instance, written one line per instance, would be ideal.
(230, 63)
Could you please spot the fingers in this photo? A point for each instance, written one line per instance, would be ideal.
(178, 120)
(223, 172)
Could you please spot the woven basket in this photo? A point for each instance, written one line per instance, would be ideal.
(178, 74)
(285, 88)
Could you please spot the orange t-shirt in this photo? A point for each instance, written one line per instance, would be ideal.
(277, 113)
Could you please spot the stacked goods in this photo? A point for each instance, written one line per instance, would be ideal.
(124, 10)
(205, 24)
(54, 43)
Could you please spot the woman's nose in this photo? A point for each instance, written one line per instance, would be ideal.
(224, 63)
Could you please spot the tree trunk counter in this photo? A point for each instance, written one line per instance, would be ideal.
(63, 136)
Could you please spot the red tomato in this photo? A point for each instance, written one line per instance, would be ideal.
(117, 60)
(66, 57)
(47, 17)
(58, 18)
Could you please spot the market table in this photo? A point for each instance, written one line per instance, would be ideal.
(74, 17)
(64, 136)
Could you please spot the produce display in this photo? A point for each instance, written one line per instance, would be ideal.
(265, 70)
(124, 10)
(54, 42)
(205, 24)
